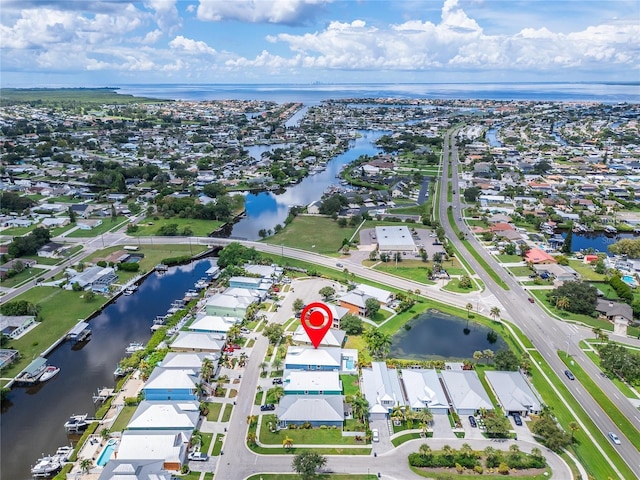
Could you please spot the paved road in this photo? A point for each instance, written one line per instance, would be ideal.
(547, 334)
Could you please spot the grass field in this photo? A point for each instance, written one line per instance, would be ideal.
(314, 234)
(586, 271)
(301, 436)
(107, 225)
(350, 385)
(200, 228)
(56, 96)
(121, 422)
(23, 276)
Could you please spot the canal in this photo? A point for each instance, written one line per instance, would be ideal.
(264, 210)
(33, 418)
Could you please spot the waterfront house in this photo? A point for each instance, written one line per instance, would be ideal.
(381, 387)
(169, 446)
(514, 393)
(198, 342)
(316, 410)
(117, 469)
(538, 256)
(165, 415)
(94, 278)
(302, 382)
(250, 283)
(187, 361)
(213, 323)
(424, 390)
(170, 384)
(228, 305)
(465, 391)
(265, 271)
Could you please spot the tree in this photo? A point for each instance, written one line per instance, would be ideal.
(562, 303)
(85, 465)
(506, 360)
(581, 296)
(568, 241)
(488, 354)
(89, 296)
(298, 305)
(465, 282)
(371, 306)
(554, 437)
(495, 313)
(496, 425)
(327, 292)
(378, 343)
(206, 369)
(629, 247)
(263, 367)
(352, 324)
(306, 464)
(360, 407)
(477, 356)
(72, 215)
(469, 307)
(273, 332)
(287, 442)
(574, 427)
(277, 363)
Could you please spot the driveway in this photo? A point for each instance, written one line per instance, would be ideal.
(442, 427)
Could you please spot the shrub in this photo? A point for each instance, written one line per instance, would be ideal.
(478, 469)
(503, 469)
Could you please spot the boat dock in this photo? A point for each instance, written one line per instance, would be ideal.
(31, 374)
(79, 333)
(102, 394)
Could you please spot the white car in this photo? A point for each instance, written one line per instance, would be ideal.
(198, 456)
(614, 438)
(375, 435)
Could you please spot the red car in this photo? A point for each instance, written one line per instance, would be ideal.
(531, 300)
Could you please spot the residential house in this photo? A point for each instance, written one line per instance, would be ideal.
(171, 384)
(344, 360)
(213, 323)
(620, 314)
(465, 391)
(355, 302)
(538, 256)
(117, 469)
(424, 390)
(316, 410)
(16, 263)
(169, 446)
(94, 278)
(303, 382)
(514, 393)
(165, 415)
(228, 306)
(333, 338)
(187, 361)
(250, 283)
(50, 250)
(13, 326)
(88, 223)
(198, 342)
(381, 387)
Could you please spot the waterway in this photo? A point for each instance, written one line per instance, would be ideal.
(265, 210)
(33, 418)
(598, 241)
(437, 336)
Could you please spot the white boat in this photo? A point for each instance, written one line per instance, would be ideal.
(131, 289)
(76, 423)
(64, 453)
(49, 372)
(46, 466)
(134, 347)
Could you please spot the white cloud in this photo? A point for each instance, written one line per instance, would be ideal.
(288, 12)
(166, 14)
(190, 46)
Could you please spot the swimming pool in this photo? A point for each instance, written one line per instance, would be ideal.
(629, 280)
(106, 453)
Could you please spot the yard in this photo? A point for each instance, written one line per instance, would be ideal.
(350, 384)
(107, 225)
(23, 276)
(200, 228)
(311, 233)
(301, 436)
(123, 418)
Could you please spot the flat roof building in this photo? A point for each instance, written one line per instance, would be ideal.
(395, 239)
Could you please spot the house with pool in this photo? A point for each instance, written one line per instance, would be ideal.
(344, 360)
(134, 469)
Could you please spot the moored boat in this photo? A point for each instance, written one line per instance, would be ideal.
(46, 466)
(134, 347)
(49, 372)
(76, 423)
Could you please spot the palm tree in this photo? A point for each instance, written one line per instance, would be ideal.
(105, 433)
(251, 438)
(488, 354)
(398, 414)
(424, 449)
(425, 415)
(242, 360)
(477, 355)
(287, 442)
(466, 450)
(562, 303)
(206, 370)
(574, 427)
(360, 407)
(277, 392)
(469, 307)
(447, 451)
(196, 439)
(277, 362)
(251, 419)
(85, 465)
(263, 367)
(378, 342)
(495, 313)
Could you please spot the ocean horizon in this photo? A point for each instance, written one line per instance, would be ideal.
(313, 93)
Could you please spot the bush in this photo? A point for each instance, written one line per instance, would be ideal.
(129, 266)
(503, 469)
(478, 469)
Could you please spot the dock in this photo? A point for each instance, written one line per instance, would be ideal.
(79, 333)
(31, 374)
(102, 394)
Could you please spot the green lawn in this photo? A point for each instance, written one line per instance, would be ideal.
(350, 384)
(520, 271)
(201, 228)
(312, 233)
(605, 403)
(454, 286)
(586, 271)
(214, 411)
(217, 447)
(623, 387)
(23, 276)
(123, 419)
(107, 225)
(301, 436)
(509, 259)
(226, 415)
(44, 260)
(60, 310)
(17, 231)
(415, 270)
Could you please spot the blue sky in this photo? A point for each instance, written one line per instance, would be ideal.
(99, 43)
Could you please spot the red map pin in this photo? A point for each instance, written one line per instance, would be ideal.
(316, 318)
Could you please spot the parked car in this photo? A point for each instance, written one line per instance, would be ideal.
(267, 407)
(614, 438)
(569, 375)
(375, 435)
(472, 421)
(531, 300)
(276, 381)
(517, 420)
(198, 456)
(245, 330)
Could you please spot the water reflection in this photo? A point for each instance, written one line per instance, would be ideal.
(436, 335)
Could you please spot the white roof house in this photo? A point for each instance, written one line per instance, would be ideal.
(302, 382)
(166, 445)
(424, 390)
(186, 361)
(265, 271)
(465, 391)
(213, 323)
(514, 392)
(383, 296)
(327, 358)
(167, 415)
(382, 389)
(198, 342)
(314, 409)
(163, 378)
(134, 470)
(395, 239)
(333, 337)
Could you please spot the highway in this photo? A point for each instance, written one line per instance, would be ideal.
(547, 334)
